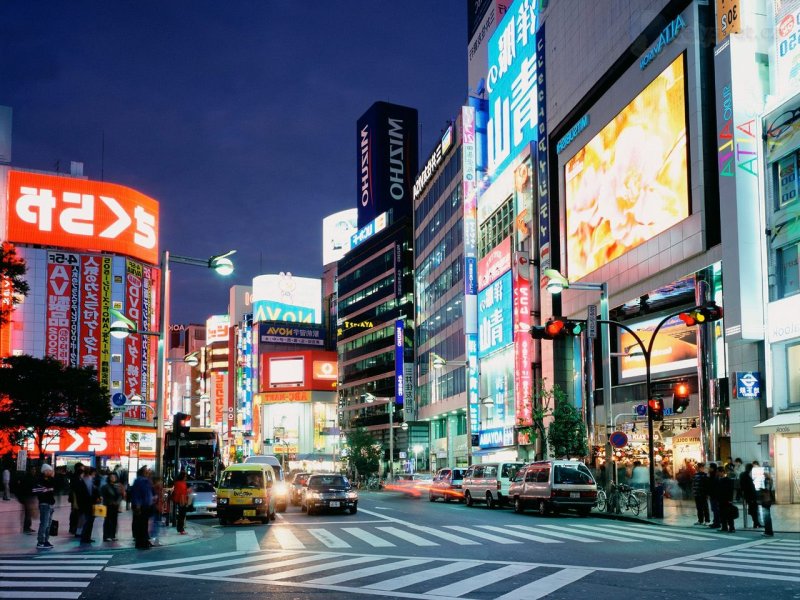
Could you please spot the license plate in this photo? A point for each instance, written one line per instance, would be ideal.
(334, 505)
(249, 513)
(574, 494)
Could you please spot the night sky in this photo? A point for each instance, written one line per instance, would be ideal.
(239, 117)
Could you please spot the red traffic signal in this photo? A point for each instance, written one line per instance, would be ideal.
(701, 314)
(557, 328)
(680, 397)
(656, 406)
(553, 328)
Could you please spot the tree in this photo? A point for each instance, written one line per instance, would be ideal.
(12, 270)
(541, 410)
(567, 432)
(40, 394)
(363, 452)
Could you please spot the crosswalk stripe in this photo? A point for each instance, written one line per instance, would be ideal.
(546, 585)
(482, 534)
(369, 571)
(266, 564)
(731, 573)
(519, 534)
(657, 533)
(788, 562)
(327, 538)
(450, 537)
(710, 562)
(762, 551)
(409, 537)
(246, 541)
(603, 536)
(219, 563)
(287, 539)
(389, 585)
(470, 584)
(696, 535)
(365, 536)
(303, 571)
(558, 534)
(44, 584)
(73, 557)
(48, 575)
(59, 568)
(614, 532)
(46, 563)
(46, 595)
(176, 561)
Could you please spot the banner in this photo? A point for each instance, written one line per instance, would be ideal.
(104, 373)
(90, 311)
(523, 344)
(132, 378)
(58, 326)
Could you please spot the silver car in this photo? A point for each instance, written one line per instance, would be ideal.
(202, 498)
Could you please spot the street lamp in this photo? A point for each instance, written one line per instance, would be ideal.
(390, 409)
(556, 283)
(438, 363)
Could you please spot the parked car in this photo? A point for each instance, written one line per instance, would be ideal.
(447, 485)
(414, 484)
(489, 483)
(329, 491)
(202, 498)
(281, 490)
(296, 487)
(554, 485)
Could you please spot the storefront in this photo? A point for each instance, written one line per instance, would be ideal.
(784, 448)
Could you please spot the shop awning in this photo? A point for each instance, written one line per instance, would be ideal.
(788, 422)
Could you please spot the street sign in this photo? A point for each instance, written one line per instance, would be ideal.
(748, 385)
(641, 409)
(119, 399)
(591, 321)
(618, 439)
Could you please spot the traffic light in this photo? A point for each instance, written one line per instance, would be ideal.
(700, 315)
(179, 424)
(557, 328)
(680, 397)
(656, 406)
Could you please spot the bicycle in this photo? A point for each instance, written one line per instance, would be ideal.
(622, 497)
(374, 484)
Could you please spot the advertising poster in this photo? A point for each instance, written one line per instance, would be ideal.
(91, 308)
(523, 201)
(473, 382)
(336, 231)
(104, 373)
(675, 348)
(494, 264)
(497, 383)
(399, 358)
(631, 181)
(286, 298)
(495, 323)
(132, 378)
(219, 386)
(62, 269)
(523, 344)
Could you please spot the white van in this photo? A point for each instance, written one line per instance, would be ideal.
(489, 483)
(281, 490)
(554, 485)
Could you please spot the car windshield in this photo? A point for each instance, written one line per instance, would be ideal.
(241, 479)
(201, 486)
(328, 481)
(575, 474)
(300, 479)
(510, 470)
(458, 474)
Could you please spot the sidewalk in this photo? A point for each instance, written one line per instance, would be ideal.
(13, 541)
(682, 513)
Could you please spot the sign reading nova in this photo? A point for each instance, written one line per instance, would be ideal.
(288, 299)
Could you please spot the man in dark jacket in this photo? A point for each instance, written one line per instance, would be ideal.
(748, 490)
(75, 513)
(141, 495)
(713, 494)
(44, 490)
(87, 494)
(700, 493)
(725, 494)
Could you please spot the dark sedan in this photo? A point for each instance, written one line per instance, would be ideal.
(329, 491)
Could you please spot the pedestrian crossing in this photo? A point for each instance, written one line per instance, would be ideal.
(51, 576)
(776, 560)
(398, 534)
(383, 575)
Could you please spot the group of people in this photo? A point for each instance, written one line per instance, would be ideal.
(717, 489)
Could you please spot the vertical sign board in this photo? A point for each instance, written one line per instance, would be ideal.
(523, 344)
(90, 311)
(542, 156)
(132, 378)
(523, 202)
(104, 374)
(399, 357)
(7, 306)
(62, 271)
(787, 45)
(495, 322)
(738, 100)
(473, 382)
(729, 18)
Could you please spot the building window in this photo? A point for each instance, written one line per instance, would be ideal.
(787, 181)
(793, 373)
(497, 227)
(788, 273)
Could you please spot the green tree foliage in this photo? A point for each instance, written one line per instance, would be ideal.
(363, 452)
(12, 270)
(567, 432)
(542, 409)
(43, 394)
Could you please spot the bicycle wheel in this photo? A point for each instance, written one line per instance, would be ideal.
(634, 505)
(602, 500)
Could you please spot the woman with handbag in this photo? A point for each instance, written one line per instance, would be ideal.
(111, 493)
(180, 497)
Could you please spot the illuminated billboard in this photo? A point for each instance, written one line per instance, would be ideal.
(66, 212)
(217, 327)
(336, 231)
(497, 383)
(631, 181)
(286, 298)
(674, 349)
(495, 321)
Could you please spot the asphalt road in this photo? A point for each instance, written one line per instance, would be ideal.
(400, 547)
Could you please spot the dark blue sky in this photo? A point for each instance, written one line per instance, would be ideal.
(239, 117)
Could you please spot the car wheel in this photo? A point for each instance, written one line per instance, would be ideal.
(353, 510)
(490, 503)
(310, 511)
(519, 507)
(468, 498)
(544, 510)
(223, 521)
(431, 497)
(447, 499)
(303, 508)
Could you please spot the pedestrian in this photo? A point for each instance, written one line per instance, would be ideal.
(700, 493)
(713, 494)
(640, 478)
(748, 491)
(87, 495)
(6, 482)
(180, 498)
(28, 500)
(738, 470)
(75, 513)
(767, 499)
(158, 510)
(44, 489)
(112, 494)
(141, 497)
(725, 494)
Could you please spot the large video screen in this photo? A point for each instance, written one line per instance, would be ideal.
(631, 181)
(674, 350)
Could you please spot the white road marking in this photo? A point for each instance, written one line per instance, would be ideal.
(369, 571)
(366, 536)
(727, 572)
(42, 563)
(612, 533)
(246, 541)
(751, 561)
(558, 533)
(688, 534)
(482, 534)
(180, 561)
(546, 585)
(287, 539)
(713, 562)
(519, 534)
(603, 536)
(47, 595)
(450, 537)
(218, 563)
(327, 538)
(471, 584)
(42, 584)
(50, 575)
(265, 564)
(409, 537)
(67, 568)
(318, 568)
(396, 583)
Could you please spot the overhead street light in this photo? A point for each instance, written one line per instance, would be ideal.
(438, 363)
(369, 398)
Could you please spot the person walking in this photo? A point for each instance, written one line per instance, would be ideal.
(141, 497)
(44, 490)
(640, 477)
(28, 500)
(747, 487)
(87, 495)
(6, 482)
(112, 494)
(75, 513)
(700, 493)
(158, 510)
(725, 495)
(713, 494)
(767, 499)
(180, 497)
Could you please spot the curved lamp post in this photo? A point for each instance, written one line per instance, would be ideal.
(404, 426)
(438, 363)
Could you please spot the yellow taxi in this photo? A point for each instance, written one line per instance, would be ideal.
(245, 491)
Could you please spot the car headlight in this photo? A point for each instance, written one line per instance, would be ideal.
(222, 501)
(213, 497)
(280, 488)
(352, 495)
(258, 501)
(313, 495)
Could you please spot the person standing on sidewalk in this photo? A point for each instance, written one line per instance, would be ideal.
(748, 490)
(6, 481)
(713, 495)
(87, 496)
(158, 510)
(700, 493)
(28, 500)
(141, 497)
(726, 491)
(44, 490)
(111, 493)
(180, 497)
(75, 513)
(767, 498)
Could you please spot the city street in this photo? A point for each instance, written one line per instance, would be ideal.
(398, 547)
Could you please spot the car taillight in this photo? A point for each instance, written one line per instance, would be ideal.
(499, 485)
